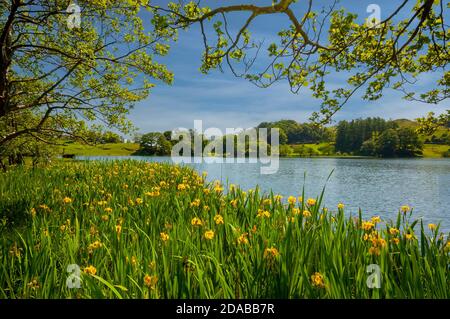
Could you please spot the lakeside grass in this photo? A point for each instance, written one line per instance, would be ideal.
(149, 230)
(434, 150)
(128, 149)
(109, 149)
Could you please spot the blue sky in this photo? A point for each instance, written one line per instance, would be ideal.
(221, 100)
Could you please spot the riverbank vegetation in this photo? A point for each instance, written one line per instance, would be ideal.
(374, 137)
(149, 230)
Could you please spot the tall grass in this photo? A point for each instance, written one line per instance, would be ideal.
(148, 230)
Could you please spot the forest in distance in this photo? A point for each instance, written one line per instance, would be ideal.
(375, 137)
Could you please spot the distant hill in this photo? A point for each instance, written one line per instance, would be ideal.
(413, 124)
(406, 123)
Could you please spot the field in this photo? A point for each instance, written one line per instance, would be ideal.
(127, 149)
(434, 150)
(110, 149)
(145, 230)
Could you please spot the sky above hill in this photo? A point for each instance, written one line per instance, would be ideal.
(222, 100)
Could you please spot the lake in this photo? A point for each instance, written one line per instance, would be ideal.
(376, 186)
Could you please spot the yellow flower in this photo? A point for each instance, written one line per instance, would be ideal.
(195, 203)
(311, 201)
(218, 219)
(181, 187)
(374, 251)
(300, 199)
(125, 186)
(118, 229)
(292, 200)
(267, 201)
(405, 208)
(306, 214)
(34, 284)
(196, 221)
(340, 206)
(90, 270)
(409, 236)
(33, 212)
(108, 210)
(263, 213)
(206, 207)
(376, 219)
(62, 228)
(206, 191)
(218, 188)
(139, 201)
(95, 245)
(295, 211)
(367, 225)
(395, 240)
(150, 281)
(44, 207)
(67, 200)
(394, 231)
(16, 251)
(133, 260)
(164, 237)
(105, 218)
(447, 246)
(277, 198)
(233, 203)
(242, 239)
(432, 227)
(271, 253)
(232, 187)
(209, 234)
(317, 280)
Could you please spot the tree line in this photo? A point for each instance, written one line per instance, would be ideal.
(377, 137)
(370, 137)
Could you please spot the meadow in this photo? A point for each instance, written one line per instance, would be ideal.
(129, 149)
(156, 230)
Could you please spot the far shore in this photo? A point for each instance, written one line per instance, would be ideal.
(131, 149)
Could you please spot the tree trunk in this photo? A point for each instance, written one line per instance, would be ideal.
(6, 58)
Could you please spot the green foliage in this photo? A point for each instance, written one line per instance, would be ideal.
(430, 123)
(377, 137)
(286, 150)
(351, 135)
(292, 132)
(130, 227)
(388, 143)
(154, 144)
(403, 142)
(56, 78)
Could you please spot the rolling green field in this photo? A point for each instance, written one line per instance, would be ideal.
(111, 149)
(434, 150)
(129, 229)
(127, 149)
